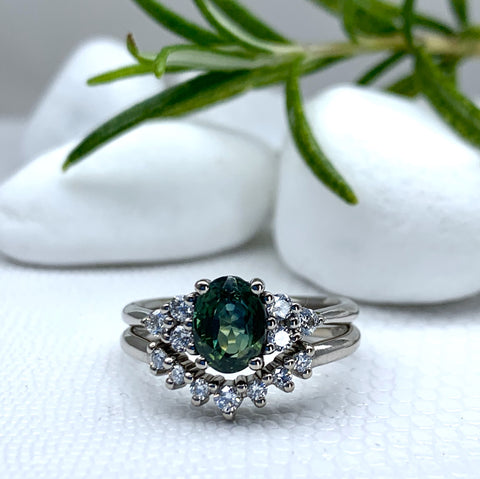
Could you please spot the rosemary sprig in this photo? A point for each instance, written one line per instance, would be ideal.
(239, 52)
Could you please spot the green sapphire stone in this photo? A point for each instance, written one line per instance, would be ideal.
(229, 324)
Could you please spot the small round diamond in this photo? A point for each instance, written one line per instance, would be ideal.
(177, 374)
(257, 390)
(180, 309)
(303, 362)
(282, 377)
(309, 321)
(227, 400)
(157, 357)
(155, 323)
(280, 337)
(180, 338)
(199, 389)
(280, 308)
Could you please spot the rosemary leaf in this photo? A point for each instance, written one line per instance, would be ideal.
(121, 73)
(460, 9)
(249, 21)
(405, 86)
(408, 19)
(133, 49)
(205, 59)
(349, 12)
(457, 110)
(232, 32)
(379, 69)
(177, 24)
(308, 146)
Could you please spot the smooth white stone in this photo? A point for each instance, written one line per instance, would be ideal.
(415, 235)
(70, 108)
(260, 113)
(166, 190)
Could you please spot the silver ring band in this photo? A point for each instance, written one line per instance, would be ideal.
(231, 339)
(336, 339)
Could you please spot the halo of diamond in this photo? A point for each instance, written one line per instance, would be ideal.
(173, 353)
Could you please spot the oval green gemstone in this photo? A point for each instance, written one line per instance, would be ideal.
(229, 324)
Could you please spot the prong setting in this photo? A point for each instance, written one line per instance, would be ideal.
(290, 354)
(202, 286)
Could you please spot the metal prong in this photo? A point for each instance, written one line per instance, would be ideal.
(267, 298)
(310, 350)
(188, 377)
(269, 348)
(154, 370)
(168, 362)
(165, 308)
(256, 363)
(168, 321)
(169, 383)
(267, 379)
(213, 388)
(289, 362)
(295, 308)
(307, 374)
(188, 324)
(199, 402)
(190, 298)
(151, 347)
(241, 385)
(202, 286)
(257, 286)
(296, 336)
(289, 387)
(271, 324)
(229, 415)
(191, 349)
(294, 322)
(165, 337)
(201, 362)
(260, 402)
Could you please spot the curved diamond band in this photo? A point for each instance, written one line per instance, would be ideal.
(231, 339)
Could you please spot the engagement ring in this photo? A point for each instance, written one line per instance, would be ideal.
(232, 340)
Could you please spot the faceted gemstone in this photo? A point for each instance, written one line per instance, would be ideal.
(157, 358)
(229, 324)
(180, 338)
(199, 389)
(257, 390)
(303, 362)
(280, 337)
(180, 309)
(281, 377)
(155, 323)
(309, 321)
(280, 308)
(227, 400)
(177, 374)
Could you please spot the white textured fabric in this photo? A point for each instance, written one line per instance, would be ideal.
(72, 405)
(406, 404)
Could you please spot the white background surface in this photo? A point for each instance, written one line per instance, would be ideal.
(405, 405)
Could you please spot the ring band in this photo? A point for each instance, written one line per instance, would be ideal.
(231, 339)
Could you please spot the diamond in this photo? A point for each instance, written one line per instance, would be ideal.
(180, 339)
(227, 400)
(309, 321)
(177, 375)
(303, 362)
(281, 306)
(257, 390)
(199, 389)
(157, 357)
(279, 337)
(282, 377)
(155, 323)
(180, 309)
